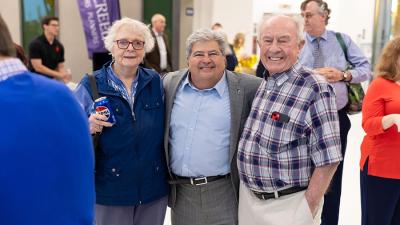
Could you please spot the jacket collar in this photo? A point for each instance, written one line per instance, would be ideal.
(105, 88)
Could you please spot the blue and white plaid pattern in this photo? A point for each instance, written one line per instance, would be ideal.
(271, 155)
(11, 67)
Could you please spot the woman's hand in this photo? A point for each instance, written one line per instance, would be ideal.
(390, 120)
(97, 122)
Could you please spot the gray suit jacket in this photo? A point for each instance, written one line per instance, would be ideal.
(242, 89)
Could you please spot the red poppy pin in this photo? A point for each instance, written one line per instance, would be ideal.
(57, 49)
(275, 116)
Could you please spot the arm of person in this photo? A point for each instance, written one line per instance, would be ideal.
(40, 68)
(67, 74)
(324, 143)
(374, 120)
(96, 121)
(361, 70)
(319, 183)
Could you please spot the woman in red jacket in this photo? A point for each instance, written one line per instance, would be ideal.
(380, 149)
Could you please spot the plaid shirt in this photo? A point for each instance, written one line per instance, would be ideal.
(293, 127)
(11, 67)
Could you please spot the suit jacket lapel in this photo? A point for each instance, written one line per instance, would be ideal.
(236, 97)
(170, 96)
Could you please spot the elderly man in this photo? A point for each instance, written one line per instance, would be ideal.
(290, 146)
(323, 52)
(160, 57)
(46, 154)
(206, 108)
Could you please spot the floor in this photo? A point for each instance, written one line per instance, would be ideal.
(350, 211)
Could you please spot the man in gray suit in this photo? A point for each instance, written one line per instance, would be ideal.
(206, 108)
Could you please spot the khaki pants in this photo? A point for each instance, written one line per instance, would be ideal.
(290, 209)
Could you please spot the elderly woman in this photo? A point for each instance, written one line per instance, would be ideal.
(131, 185)
(380, 149)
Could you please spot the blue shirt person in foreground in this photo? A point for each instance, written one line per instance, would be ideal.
(323, 53)
(131, 183)
(206, 107)
(46, 154)
(290, 145)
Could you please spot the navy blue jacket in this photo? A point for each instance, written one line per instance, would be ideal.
(130, 164)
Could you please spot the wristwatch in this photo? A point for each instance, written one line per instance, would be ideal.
(345, 75)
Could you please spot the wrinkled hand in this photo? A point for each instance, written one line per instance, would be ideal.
(97, 122)
(331, 74)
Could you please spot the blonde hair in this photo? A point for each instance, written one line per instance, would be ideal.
(238, 36)
(387, 66)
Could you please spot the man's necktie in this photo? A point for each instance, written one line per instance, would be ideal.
(318, 56)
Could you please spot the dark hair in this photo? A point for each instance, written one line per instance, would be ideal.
(386, 66)
(216, 25)
(6, 45)
(323, 7)
(47, 19)
(21, 54)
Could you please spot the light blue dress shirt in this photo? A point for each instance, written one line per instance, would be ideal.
(200, 130)
(334, 57)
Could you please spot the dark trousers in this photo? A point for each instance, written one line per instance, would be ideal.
(330, 211)
(380, 199)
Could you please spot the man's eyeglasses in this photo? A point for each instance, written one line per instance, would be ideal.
(124, 44)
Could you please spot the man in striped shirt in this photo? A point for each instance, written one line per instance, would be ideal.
(290, 145)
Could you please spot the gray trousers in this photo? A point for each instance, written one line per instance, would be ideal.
(211, 204)
(152, 213)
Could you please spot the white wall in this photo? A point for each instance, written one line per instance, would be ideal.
(73, 39)
(71, 30)
(346, 16)
(10, 11)
(234, 15)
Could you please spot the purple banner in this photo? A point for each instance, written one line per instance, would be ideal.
(97, 17)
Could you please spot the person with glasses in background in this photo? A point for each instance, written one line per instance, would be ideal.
(46, 53)
(323, 52)
(130, 179)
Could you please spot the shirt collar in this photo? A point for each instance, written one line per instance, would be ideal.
(156, 33)
(220, 86)
(310, 38)
(10, 67)
(115, 78)
(280, 78)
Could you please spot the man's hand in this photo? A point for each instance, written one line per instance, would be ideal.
(65, 76)
(331, 74)
(319, 182)
(313, 203)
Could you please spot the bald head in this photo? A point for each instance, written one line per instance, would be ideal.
(280, 43)
(158, 23)
(291, 23)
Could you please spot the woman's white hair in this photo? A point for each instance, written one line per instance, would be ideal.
(139, 27)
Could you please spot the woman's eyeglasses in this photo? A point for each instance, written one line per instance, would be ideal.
(124, 44)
